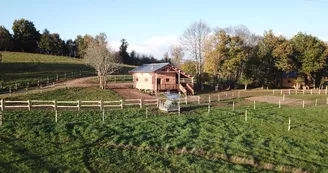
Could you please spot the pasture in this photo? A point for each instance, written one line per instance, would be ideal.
(21, 70)
(214, 132)
(128, 140)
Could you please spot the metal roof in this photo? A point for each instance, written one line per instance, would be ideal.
(146, 68)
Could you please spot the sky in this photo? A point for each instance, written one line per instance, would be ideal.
(152, 26)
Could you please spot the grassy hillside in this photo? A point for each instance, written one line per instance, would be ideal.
(27, 67)
(196, 141)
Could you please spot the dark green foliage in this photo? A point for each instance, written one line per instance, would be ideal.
(25, 36)
(5, 39)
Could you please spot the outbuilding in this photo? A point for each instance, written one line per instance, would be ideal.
(159, 77)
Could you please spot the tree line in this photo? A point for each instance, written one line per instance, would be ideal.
(242, 57)
(26, 38)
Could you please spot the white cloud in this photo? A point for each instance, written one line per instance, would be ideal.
(155, 46)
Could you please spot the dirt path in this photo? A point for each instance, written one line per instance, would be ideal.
(275, 100)
(124, 89)
(127, 92)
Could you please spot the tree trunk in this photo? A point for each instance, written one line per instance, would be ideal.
(101, 82)
(105, 82)
(246, 86)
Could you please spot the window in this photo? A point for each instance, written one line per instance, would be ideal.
(146, 79)
(167, 80)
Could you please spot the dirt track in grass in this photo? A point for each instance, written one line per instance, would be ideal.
(275, 100)
(124, 89)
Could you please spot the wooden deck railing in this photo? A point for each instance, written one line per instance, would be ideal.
(167, 86)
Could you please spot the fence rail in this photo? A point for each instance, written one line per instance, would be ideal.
(53, 104)
(100, 104)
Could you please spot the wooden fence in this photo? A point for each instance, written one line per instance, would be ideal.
(294, 91)
(56, 105)
(203, 99)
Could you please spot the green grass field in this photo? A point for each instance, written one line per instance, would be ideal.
(27, 67)
(70, 94)
(195, 141)
(23, 68)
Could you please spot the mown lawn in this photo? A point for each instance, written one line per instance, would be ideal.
(195, 141)
(71, 94)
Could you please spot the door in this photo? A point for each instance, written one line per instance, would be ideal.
(158, 84)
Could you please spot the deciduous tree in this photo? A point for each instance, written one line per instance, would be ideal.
(25, 36)
(103, 59)
(5, 39)
(311, 54)
(176, 55)
(193, 41)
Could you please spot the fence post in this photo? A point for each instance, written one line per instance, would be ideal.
(3, 105)
(311, 91)
(55, 104)
(10, 91)
(219, 98)
(245, 115)
(53, 86)
(57, 77)
(303, 104)
(226, 95)
(279, 104)
(1, 118)
(316, 102)
(209, 104)
(319, 91)
(47, 79)
(296, 92)
(233, 105)
(56, 114)
(273, 92)
(283, 97)
(101, 105)
(238, 94)
(327, 101)
(65, 75)
(281, 92)
(303, 91)
(179, 108)
(140, 103)
(146, 112)
(198, 100)
(103, 114)
(157, 102)
(16, 86)
(289, 91)
(29, 104)
(186, 100)
(78, 105)
(254, 105)
(289, 124)
(26, 91)
(122, 104)
(326, 90)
